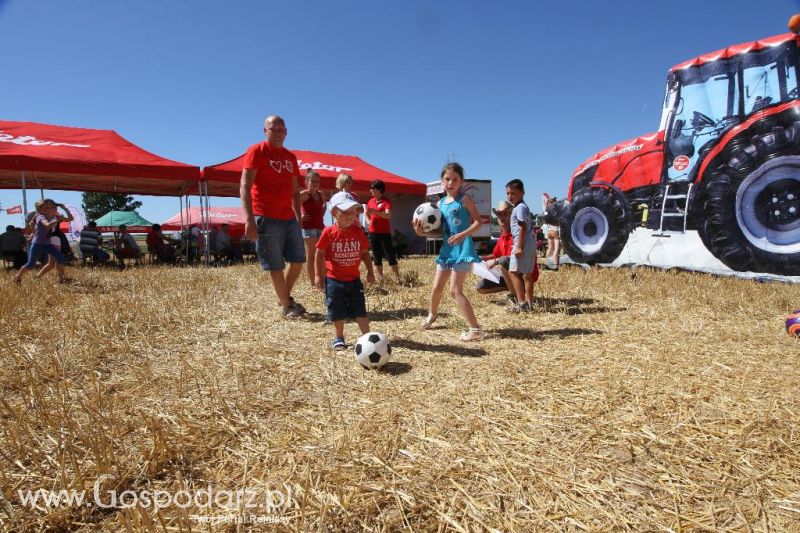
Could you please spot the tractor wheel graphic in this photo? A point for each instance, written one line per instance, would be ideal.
(595, 225)
(752, 206)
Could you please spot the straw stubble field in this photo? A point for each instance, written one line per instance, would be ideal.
(642, 401)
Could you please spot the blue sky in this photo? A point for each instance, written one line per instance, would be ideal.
(513, 89)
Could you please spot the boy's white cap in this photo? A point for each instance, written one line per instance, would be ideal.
(342, 201)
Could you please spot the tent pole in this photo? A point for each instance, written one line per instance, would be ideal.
(189, 232)
(203, 231)
(208, 225)
(180, 210)
(24, 197)
(202, 258)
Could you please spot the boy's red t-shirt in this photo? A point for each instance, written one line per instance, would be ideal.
(271, 192)
(343, 249)
(379, 224)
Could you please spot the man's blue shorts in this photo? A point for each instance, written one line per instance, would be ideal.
(279, 242)
(345, 299)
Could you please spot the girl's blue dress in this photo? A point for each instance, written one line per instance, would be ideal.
(455, 219)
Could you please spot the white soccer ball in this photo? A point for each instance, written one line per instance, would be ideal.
(430, 216)
(373, 350)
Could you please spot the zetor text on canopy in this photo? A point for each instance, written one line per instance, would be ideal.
(725, 162)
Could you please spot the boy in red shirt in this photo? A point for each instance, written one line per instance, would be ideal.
(340, 250)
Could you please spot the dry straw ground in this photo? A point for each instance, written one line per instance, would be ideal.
(655, 402)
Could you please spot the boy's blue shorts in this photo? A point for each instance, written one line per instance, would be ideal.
(345, 299)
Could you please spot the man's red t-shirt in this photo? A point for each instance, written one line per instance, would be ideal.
(271, 192)
(504, 246)
(379, 224)
(343, 249)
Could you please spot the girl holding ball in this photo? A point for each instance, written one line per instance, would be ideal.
(460, 220)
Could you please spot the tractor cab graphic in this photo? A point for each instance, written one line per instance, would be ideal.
(725, 162)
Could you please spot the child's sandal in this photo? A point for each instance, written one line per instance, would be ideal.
(338, 344)
(473, 334)
(428, 322)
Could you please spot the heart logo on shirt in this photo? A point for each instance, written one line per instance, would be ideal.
(276, 166)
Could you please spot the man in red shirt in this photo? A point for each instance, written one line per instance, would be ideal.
(501, 254)
(379, 211)
(270, 194)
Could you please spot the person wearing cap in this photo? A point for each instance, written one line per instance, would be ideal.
(270, 193)
(341, 248)
(501, 254)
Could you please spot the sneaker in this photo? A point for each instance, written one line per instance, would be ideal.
(297, 306)
(511, 298)
(291, 312)
(525, 307)
(428, 322)
(338, 344)
(514, 308)
(473, 334)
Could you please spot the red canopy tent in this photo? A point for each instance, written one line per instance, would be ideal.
(80, 159)
(217, 216)
(223, 178)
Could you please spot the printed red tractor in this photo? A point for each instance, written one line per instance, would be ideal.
(725, 161)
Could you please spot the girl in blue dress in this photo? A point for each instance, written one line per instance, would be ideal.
(460, 220)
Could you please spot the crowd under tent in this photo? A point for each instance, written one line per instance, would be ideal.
(46, 156)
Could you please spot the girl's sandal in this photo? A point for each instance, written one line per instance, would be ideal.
(428, 322)
(473, 334)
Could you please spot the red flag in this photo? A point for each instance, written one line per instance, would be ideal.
(14, 210)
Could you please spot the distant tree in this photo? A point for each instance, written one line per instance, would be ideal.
(97, 204)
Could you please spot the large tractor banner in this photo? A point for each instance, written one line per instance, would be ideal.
(720, 178)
